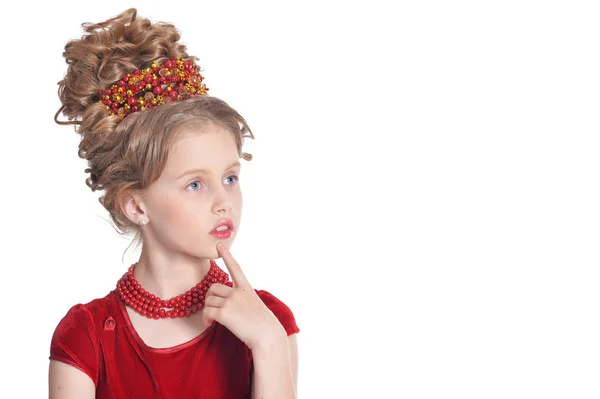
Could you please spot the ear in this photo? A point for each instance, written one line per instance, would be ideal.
(133, 207)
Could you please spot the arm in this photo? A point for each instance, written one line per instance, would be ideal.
(68, 382)
(276, 369)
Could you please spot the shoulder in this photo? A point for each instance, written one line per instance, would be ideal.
(280, 310)
(76, 339)
(86, 314)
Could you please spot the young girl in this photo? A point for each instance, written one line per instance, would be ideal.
(167, 156)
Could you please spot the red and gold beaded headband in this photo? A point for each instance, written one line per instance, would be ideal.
(159, 84)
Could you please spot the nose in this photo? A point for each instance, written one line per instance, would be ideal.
(222, 202)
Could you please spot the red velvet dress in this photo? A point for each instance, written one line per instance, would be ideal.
(99, 339)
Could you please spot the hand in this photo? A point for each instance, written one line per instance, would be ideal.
(239, 308)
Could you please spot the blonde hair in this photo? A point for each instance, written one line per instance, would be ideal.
(130, 153)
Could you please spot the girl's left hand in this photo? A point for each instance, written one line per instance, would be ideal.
(239, 308)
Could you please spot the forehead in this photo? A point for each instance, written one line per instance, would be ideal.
(211, 146)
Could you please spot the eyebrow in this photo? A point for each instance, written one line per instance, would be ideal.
(205, 171)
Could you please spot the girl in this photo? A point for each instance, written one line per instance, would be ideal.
(167, 156)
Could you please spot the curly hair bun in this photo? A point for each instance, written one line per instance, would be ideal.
(107, 52)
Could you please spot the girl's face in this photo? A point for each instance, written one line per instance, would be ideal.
(198, 188)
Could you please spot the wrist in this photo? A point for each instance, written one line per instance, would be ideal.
(274, 341)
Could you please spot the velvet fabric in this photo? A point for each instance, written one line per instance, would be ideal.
(99, 339)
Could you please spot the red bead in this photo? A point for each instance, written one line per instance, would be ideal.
(148, 78)
(173, 95)
(157, 90)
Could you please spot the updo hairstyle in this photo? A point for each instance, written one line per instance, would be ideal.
(130, 153)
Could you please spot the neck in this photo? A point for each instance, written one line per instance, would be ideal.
(169, 275)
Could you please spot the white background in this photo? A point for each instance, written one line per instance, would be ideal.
(424, 194)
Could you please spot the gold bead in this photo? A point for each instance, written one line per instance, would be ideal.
(154, 101)
(148, 86)
(142, 102)
(129, 93)
(127, 107)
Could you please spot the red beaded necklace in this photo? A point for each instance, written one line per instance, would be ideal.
(151, 306)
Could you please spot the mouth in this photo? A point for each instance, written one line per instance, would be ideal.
(222, 227)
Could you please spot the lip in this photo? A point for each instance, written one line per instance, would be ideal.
(223, 222)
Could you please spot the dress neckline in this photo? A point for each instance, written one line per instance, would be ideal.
(142, 344)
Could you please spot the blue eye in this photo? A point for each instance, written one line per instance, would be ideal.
(196, 182)
(235, 178)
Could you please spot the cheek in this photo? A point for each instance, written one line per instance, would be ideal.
(187, 217)
(180, 218)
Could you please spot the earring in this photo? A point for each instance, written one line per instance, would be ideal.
(143, 223)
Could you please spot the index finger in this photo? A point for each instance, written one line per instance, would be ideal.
(237, 275)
